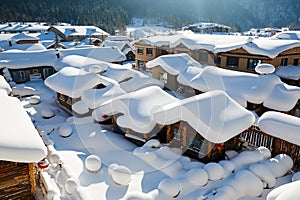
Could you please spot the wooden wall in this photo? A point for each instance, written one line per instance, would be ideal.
(15, 181)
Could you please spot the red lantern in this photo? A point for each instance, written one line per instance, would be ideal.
(104, 116)
(219, 146)
(43, 164)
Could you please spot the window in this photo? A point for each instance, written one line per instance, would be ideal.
(296, 61)
(164, 52)
(140, 51)
(163, 76)
(69, 100)
(218, 60)
(62, 97)
(232, 62)
(284, 61)
(19, 76)
(140, 63)
(252, 63)
(47, 72)
(35, 71)
(149, 51)
(177, 133)
(203, 57)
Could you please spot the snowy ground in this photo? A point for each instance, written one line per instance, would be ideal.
(152, 173)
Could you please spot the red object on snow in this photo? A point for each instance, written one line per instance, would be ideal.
(43, 164)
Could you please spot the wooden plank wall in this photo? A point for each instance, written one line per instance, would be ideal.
(15, 181)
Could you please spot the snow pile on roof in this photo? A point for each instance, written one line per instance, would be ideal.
(281, 125)
(137, 108)
(19, 143)
(223, 43)
(243, 87)
(107, 54)
(288, 72)
(72, 81)
(79, 61)
(287, 35)
(4, 85)
(214, 115)
(286, 191)
(81, 31)
(36, 47)
(93, 98)
(177, 64)
(120, 73)
(23, 36)
(14, 59)
(124, 46)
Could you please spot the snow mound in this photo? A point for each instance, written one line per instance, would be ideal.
(279, 165)
(120, 174)
(228, 167)
(34, 100)
(170, 187)
(296, 177)
(197, 177)
(23, 90)
(93, 163)
(264, 68)
(248, 183)
(65, 131)
(288, 191)
(214, 171)
(264, 173)
(152, 143)
(54, 158)
(71, 185)
(47, 113)
(80, 108)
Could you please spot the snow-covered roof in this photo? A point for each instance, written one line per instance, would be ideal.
(119, 44)
(79, 61)
(223, 43)
(288, 72)
(23, 36)
(139, 82)
(136, 108)
(20, 142)
(81, 30)
(287, 35)
(16, 59)
(24, 27)
(174, 63)
(72, 81)
(214, 115)
(94, 98)
(108, 54)
(280, 125)
(120, 73)
(118, 38)
(4, 85)
(243, 87)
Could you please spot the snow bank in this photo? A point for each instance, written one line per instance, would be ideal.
(280, 125)
(26, 148)
(4, 85)
(72, 81)
(223, 118)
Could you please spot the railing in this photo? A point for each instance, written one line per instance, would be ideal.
(254, 136)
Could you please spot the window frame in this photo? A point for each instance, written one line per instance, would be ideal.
(140, 50)
(229, 61)
(284, 61)
(254, 63)
(149, 51)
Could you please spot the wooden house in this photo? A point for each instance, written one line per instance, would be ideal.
(21, 148)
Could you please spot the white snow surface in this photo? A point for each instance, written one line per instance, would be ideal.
(243, 87)
(154, 168)
(4, 85)
(21, 142)
(137, 108)
(281, 125)
(288, 72)
(214, 115)
(72, 81)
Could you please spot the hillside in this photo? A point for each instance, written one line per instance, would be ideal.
(115, 14)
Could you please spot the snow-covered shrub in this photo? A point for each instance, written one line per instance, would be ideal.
(214, 171)
(47, 113)
(71, 185)
(34, 100)
(65, 131)
(171, 187)
(279, 165)
(93, 163)
(120, 174)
